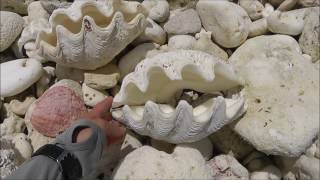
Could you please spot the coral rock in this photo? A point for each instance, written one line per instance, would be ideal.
(227, 167)
(228, 22)
(159, 10)
(18, 75)
(149, 163)
(11, 25)
(183, 22)
(270, 65)
(20, 108)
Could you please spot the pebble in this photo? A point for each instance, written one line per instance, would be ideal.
(183, 22)
(11, 25)
(18, 75)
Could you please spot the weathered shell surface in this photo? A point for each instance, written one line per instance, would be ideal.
(158, 78)
(57, 108)
(89, 34)
(183, 124)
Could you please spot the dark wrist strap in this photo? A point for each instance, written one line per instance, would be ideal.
(69, 164)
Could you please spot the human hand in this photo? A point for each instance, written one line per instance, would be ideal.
(101, 116)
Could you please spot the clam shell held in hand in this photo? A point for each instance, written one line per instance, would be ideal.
(158, 78)
(18, 75)
(89, 34)
(57, 108)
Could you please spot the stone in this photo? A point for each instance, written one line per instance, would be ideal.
(36, 11)
(158, 9)
(101, 81)
(271, 64)
(303, 167)
(309, 39)
(205, 44)
(128, 62)
(254, 8)
(185, 42)
(45, 81)
(51, 5)
(204, 146)
(22, 144)
(227, 167)
(18, 75)
(228, 142)
(228, 22)
(152, 33)
(149, 163)
(267, 173)
(11, 125)
(309, 3)
(256, 161)
(183, 22)
(92, 96)
(17, 6)
(11, 25)
(289, 22)
(20, 108)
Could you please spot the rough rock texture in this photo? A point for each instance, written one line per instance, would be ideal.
(10, 158)
(51, 5)
(267, 173)
(270, 64)
(228, 22)
(20, 108)
(18, 75)
(57, 108)
(309, 39)
(92, 96)
(149, 163)
(152, 33)
(12, 124)
(11, 25)
(226, 167)
(205, 44)
(158, 9)
(17, 6)
(128, 62)
(101, 81)
(183, 22)
(309, 3)
(185, 42)
(304, 167)
(228, 142)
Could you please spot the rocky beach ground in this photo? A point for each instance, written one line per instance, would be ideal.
(208, 89)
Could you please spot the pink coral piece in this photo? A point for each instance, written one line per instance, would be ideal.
(55, 110)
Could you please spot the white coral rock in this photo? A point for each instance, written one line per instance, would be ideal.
(89, 34)
(12, 124)
(290, 22)
(228, 22)
(226, 167)
(22, 144)
(11, 25)
(152, 33)
(18, 75)
(253, 8)
(149, 163)
(92, 96)
(128, 62)
(271, 64)
(159, 10)
(20, 108)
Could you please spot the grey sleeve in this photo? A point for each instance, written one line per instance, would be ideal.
(88, 152)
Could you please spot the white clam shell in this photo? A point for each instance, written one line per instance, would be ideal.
(159, 77)
(18, 75)
(89, 34)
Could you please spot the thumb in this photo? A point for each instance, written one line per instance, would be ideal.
(102, 107)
